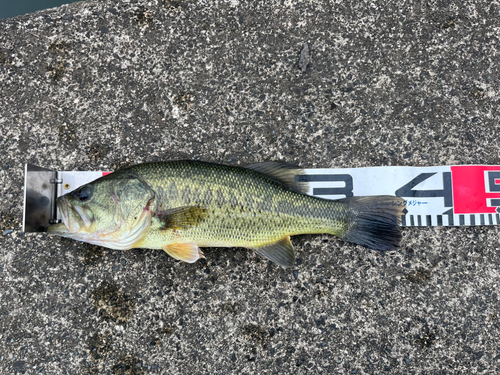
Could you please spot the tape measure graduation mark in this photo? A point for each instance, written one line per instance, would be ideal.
(435, 196)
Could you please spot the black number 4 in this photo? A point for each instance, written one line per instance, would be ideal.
(406, 191)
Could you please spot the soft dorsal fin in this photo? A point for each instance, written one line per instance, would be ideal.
(187, 252)
(280, 252)
(181, 217)
(283, 172)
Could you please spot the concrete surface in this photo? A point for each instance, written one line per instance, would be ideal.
(101, 84)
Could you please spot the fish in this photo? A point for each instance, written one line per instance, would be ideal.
(182, 206)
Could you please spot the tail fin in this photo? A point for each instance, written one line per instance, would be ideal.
(374, 221)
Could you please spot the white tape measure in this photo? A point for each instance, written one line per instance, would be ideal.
(435, 196)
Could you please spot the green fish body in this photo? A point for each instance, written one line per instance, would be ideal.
(180, 206)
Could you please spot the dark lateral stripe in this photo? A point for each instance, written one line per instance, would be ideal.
(412, 221)
(440, 220)
(419, 219)
(481, 217)
(462, 219)
(490, 219)
(429, 220)
(403, 220)
(472, 219)
(497, 216)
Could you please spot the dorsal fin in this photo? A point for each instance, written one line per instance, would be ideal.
(280, 252)
(282, 172)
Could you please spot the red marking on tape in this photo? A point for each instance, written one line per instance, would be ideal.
(106, 173)
(470, 189)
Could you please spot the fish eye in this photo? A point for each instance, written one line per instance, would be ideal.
(84, 193)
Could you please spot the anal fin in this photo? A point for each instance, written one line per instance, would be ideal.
(280, 252)
(187, 252)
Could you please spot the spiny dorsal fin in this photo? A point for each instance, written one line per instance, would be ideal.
(280, 252)
(283, 172)
(187, 252)
(181, 217)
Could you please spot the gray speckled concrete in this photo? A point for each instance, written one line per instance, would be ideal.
(101, 84)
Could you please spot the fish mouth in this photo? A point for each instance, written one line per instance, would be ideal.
(75, 219)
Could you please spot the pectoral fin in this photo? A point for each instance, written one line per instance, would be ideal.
(280, 252)
(181, 217)
(187, 252)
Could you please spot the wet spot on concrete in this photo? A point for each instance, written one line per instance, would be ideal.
(58, 47)
(230, 307)
(113, 304)
(57, 63)
(321, 292)
(427, 339)
(477, 93)
(419, 276)
(256, 334)
(166, 330)
(448, 24)
(184, 100)
(97, 152)
(4, 57)
(56, 70)
(9, 221)
(99, 346)
(92, 254)
(128, 365)
(143, 16)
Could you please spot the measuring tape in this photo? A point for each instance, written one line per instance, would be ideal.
(435, 196)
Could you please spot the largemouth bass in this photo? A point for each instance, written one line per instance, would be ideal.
(180, 206)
